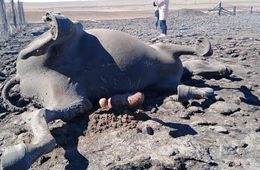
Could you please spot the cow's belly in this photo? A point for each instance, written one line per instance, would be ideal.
(110, 81)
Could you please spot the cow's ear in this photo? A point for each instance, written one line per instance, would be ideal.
(79, 26)
(60, 26)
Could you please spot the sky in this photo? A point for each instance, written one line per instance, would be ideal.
(51, 0)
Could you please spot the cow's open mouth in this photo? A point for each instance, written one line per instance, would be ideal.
(60, 26)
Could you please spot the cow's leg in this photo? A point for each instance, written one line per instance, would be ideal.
(122, 101)
(201, 48)
(205, 69)
(184, 92)
(23, 155)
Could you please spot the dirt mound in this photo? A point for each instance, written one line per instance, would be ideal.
(188, 12)
(101, 121)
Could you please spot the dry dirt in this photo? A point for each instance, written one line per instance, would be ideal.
(223, 133)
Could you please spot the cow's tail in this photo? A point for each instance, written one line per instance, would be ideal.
(5, 96)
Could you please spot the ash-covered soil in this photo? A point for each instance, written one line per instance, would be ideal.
(163, 134)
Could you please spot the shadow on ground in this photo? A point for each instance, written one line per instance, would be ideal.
(74, 129)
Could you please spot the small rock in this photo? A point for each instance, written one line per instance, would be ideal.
(226, 80)
(224, 108)
(185, 115)
(233, 163)
(3, 115)
(219, 98)
(153, 40)
(219, 129)
(2, 74)
(152, 123)
(250, 86)
(174, 152)
(244, 53)
(15, 91)
(184, 28)
(148, 130)
(167, 150)
(230, 51)
(230, 123)
(5, 71)
(253, 109)
(173, 106)
(154, 110)
(244, 38)
(203, 123)
(242, 58)
(20, 130)
(2, 78)
(191, 111)
(178, 35)
(237, 100)
(235, 55)
(194, 110)
(43, 159)
(229, 38)
(118, 158)
(19, 122)
(10, 52)
(257, 129)
(244, 145)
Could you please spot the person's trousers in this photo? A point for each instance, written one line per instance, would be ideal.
(156, 22)
(163, 26)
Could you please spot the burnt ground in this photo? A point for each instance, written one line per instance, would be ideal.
(220, 133)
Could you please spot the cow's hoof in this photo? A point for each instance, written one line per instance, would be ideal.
(185, 93)
(15, 157)
(135, 99)
(203, 47)
(105, 103)
(206, 92)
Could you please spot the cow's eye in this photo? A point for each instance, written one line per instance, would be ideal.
(37, 52)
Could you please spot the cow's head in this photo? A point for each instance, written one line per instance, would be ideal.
(61, 29)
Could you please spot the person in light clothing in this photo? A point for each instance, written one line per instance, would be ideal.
(163, 6)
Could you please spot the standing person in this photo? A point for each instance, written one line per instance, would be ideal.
(156, 14)
(163, 6)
